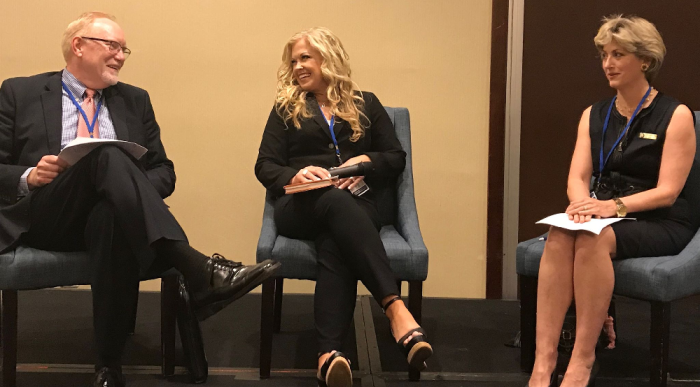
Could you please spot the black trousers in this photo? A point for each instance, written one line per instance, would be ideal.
(345, 229)
(106, 205)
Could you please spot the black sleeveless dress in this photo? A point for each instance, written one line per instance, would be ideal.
(634, 167)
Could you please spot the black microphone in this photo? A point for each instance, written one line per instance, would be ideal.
(360, 169)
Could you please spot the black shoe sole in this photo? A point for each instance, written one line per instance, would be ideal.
(206, 311)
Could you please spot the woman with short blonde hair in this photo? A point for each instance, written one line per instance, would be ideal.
(638, 146)
(321, 120)
(637, 36)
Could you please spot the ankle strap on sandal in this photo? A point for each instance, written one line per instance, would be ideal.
(388, 304)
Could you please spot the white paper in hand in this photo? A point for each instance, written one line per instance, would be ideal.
(594, 225)
(81, 146)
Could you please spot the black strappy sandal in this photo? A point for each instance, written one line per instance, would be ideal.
(335, 371)
(417, 350)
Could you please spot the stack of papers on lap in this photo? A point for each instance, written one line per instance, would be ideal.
(594, 225)
(81, 146)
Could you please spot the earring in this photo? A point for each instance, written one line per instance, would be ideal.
(645, 67)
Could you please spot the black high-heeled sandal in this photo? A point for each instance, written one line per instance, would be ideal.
(417, 350)
(335, 371)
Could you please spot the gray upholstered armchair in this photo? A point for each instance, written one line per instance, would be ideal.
(659, 280)
(402, 239)
(26, 268)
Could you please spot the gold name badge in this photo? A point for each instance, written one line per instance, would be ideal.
(648, 136)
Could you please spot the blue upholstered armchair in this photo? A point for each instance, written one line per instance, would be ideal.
(659, 280)
(402, 239)
(27, 268)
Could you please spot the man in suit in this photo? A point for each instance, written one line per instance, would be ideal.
(107, 203)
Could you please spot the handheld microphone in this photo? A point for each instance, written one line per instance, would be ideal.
(360, 169)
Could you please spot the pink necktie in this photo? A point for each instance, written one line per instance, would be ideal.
(88, 106)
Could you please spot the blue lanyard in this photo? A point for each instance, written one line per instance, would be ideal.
(90, 126)
(335, 142)
(602, 162)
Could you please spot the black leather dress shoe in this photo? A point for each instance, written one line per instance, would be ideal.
(109, 377)
(228, 282)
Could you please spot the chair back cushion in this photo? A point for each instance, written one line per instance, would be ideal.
(692, 185)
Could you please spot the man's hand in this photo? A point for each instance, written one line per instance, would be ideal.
(46, 170)
(310, 173)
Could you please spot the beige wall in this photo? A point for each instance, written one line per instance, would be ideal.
(210, 69)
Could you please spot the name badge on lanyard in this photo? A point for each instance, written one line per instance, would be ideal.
(603, 161)
(331, 123)
(90, 125)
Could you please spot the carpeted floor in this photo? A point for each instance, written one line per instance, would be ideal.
(468, 337)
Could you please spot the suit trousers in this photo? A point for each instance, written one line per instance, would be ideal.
(345, 229)
(106, 205)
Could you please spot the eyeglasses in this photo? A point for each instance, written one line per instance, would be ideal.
(112, 45)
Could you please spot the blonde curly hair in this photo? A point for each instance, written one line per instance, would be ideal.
(344, 95)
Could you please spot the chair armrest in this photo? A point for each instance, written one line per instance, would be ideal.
(268, 232)
(407, 218)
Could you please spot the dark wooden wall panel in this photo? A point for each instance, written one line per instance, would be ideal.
(562, 76)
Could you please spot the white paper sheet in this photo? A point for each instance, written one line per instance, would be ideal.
(594, 225)
(81, 146)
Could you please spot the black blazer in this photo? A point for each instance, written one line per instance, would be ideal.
(30, 128)
(284, 149)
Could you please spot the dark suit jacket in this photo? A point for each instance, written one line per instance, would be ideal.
(30, 128)
(284, 149)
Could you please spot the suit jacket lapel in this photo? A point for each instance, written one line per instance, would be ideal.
(51, 101)
(117, 111)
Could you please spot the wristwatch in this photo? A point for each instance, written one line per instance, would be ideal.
(621, 208)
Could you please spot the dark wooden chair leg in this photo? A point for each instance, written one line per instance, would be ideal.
(660, 331)
(132, 328)
(266, 326)
(168, 315)
(9, 335)
(415, 306)
(528, 320)
(279, 282)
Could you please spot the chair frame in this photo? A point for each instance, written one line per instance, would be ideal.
(169, 315)
(406, 225)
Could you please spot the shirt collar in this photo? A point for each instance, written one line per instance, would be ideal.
(75, 86)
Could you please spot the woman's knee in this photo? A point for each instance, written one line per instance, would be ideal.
(560, 239)
(588, 243)
(335, 200)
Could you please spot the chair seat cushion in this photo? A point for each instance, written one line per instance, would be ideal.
(662, 279)
(27, 268)
(298, 257)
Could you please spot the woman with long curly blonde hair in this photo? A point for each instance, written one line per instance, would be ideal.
(321, 120)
